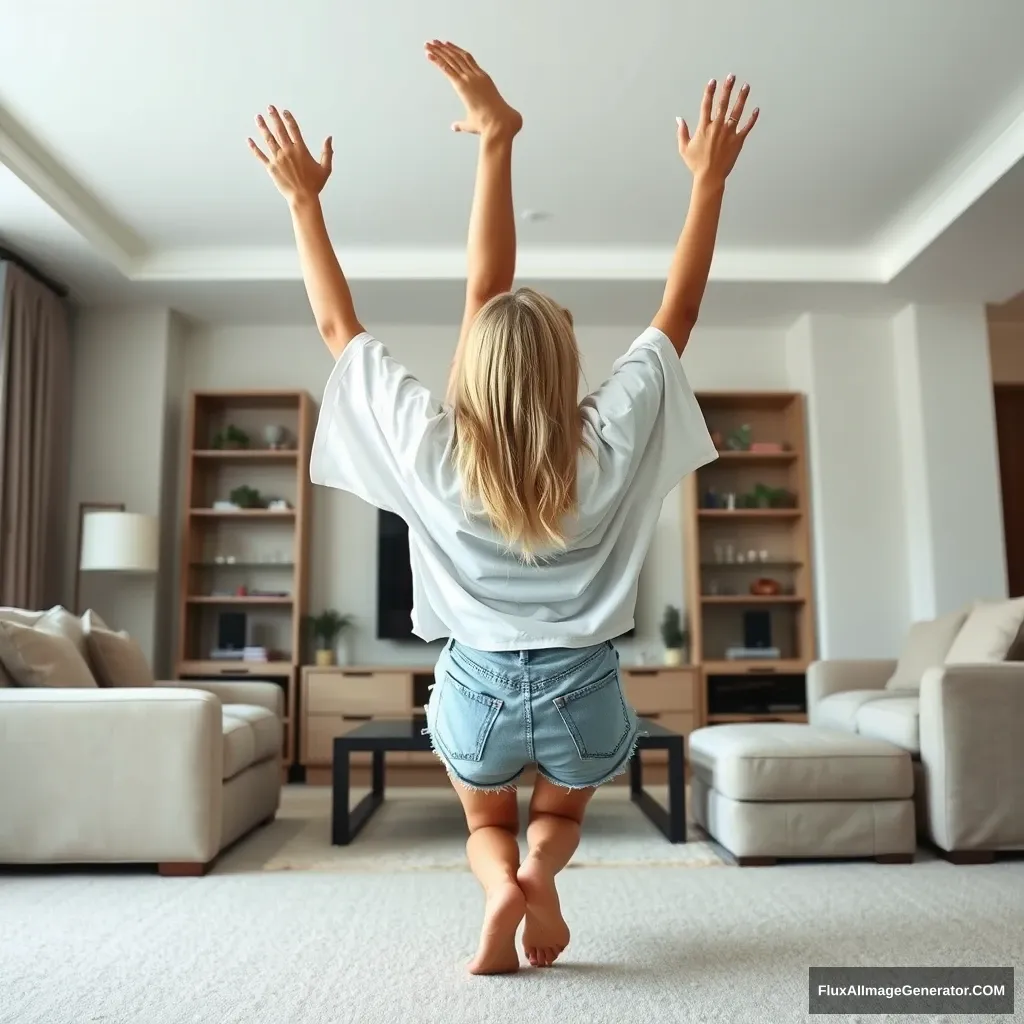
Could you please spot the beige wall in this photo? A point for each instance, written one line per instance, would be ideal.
(1006, 350)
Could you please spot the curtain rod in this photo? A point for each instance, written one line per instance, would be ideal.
(54, 286)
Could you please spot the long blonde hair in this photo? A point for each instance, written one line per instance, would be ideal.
(518, 429)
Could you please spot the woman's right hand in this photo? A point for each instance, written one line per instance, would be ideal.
(297, 174)
(712, 151)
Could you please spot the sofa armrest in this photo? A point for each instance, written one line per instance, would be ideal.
(971, 724)
(119, 775)
(244, 691)
(828, 677)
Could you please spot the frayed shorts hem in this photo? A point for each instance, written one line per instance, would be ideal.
(509, 785)
(618, 769)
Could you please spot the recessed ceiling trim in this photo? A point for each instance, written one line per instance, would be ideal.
(80, 210)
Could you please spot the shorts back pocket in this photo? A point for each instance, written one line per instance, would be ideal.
(596, 717)
(463, 720)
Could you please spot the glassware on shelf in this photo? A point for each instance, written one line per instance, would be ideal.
(719, 553)
(730, 554)
(763, 555)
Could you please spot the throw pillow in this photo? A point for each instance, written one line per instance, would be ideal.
(35, 657)
(117, 660)
(59, 621)
(989, 634)
(927, 646)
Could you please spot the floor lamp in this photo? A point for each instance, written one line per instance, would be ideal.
(113, 540)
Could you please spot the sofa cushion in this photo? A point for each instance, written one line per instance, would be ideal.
(37, 657)
(839, 710)
(785, 761)
(989, 634)
(5, 679)
(20, 615)
(116, 659)
(927, 645)
(59, 621)
(895, 721)
(266, 728)
(239, 746)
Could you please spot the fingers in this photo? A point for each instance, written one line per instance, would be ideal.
(292, 125)
(258, 153)
(723, 100)
(706, 103)
(464, 58)
(751, 121)
(439, 54)
(268, 136)
(327, 155)
(279, 127)
(683, 132)
(741, 102)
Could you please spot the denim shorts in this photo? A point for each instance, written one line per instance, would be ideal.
(493, 713)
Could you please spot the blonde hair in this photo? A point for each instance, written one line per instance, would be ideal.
(518, 429)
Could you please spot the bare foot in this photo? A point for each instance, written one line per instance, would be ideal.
(497, 953)
(546, 934)
(487, 113)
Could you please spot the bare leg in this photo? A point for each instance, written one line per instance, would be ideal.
(553, 835)
(493, 851)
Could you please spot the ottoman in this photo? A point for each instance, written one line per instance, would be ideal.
(779, 790)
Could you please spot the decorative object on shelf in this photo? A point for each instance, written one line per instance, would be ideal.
(673, 636)
(327, 628)
(765, 497)
(717, 439)
(753, 654)
(115, 541)
(768, 447)
(711, 500)
(276, 437)
(739, 439)
(278, 505)
(246, 497)
(765, 587)
(763, 555)
(231, 438)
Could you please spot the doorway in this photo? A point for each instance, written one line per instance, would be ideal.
(1010, 438)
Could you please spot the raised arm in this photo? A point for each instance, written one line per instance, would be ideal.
(711, 154)
(300, 178)
(491, 248)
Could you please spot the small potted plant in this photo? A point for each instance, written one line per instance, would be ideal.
(327, 627)
(246, 497)
(232, 438)
(674, 636)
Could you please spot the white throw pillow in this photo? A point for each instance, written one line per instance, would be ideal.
(989, 634)
(36, 657)
(927, 646)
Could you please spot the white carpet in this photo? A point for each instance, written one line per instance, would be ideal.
(651, 945)
(425, 830)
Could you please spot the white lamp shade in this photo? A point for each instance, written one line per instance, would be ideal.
(120, 542)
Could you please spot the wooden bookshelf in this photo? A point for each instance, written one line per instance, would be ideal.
(729, 548)
(246, 560)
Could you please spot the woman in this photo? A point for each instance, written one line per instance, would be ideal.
(529, 512)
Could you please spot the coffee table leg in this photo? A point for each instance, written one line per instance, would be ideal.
(636, 775)
(677, 792)
(347, 824)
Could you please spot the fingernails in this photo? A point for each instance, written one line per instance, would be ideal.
(712, 84)
(730, 79)
(679, 121)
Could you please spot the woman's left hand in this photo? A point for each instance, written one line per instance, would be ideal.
(297, 174)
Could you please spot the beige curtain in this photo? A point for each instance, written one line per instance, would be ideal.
(35, 398)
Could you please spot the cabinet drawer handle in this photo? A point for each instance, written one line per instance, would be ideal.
(356, 675)
(234, 671)
(642, 672)
(763, 670)
(357, 718)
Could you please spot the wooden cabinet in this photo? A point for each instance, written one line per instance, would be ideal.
(334, 700)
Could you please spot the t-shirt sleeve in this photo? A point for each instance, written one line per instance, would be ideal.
(646, 412)
(374, 418)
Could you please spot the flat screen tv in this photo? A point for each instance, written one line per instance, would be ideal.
(394, 580)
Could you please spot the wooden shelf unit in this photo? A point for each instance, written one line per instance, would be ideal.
(208, 586)
(718, 590)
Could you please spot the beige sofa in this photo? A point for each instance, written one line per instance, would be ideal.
(955, 701)
(132, 771)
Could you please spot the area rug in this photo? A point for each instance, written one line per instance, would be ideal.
(424, 830)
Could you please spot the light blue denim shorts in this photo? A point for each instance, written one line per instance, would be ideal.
(493, 713)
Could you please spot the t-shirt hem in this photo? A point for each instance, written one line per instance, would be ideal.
(537, 643)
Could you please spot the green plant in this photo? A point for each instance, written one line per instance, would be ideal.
(739, 440)
(673, 635)
(764, 496)
(231, 437)
(327, 627)
(246, 497)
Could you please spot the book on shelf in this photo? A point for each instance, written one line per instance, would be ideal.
(753, 654)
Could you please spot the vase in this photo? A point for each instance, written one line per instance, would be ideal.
(673, 656)
(324, 658)
(343, 653)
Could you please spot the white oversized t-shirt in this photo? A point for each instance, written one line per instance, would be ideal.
(382, 436)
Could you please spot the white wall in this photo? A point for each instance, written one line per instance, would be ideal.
(845, 367)
(345, 529)
(952, 501)
(119, 415)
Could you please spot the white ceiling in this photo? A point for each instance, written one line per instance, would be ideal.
(870, 178)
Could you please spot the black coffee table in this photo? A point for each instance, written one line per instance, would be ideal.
(380, 735)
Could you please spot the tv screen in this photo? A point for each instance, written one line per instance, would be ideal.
(394, 580)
